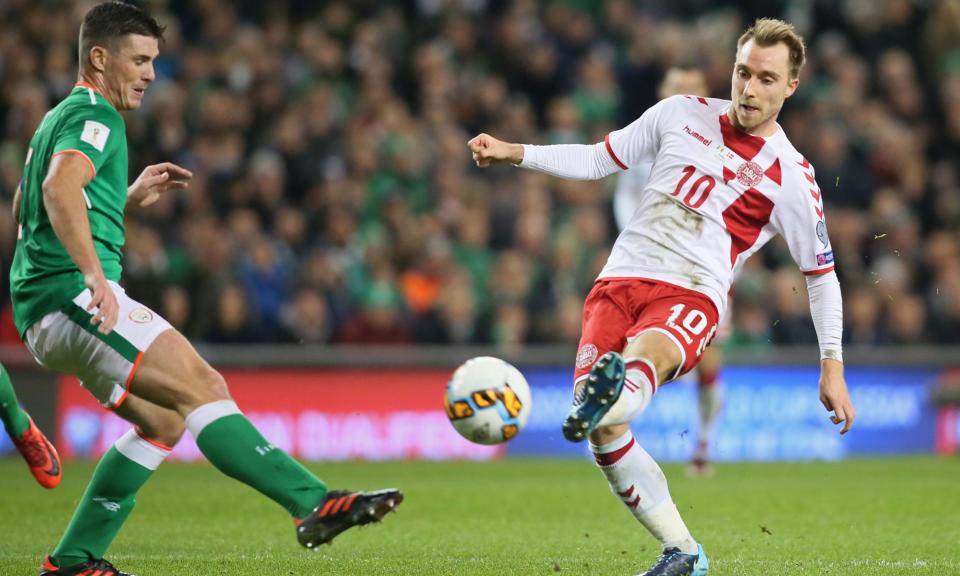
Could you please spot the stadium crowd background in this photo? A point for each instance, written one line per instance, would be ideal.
(334, 199)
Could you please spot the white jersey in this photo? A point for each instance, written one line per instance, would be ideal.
(714, 197)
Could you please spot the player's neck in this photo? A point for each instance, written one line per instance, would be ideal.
(763, 130)
(95, 80)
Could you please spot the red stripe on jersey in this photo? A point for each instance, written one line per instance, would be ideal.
(815, 194)
(746, 145)
(606, 140)
(728, 175)
(611, 458)
(626, 493)
(744, 220)
(817, 272)
(819, 212)
(702, 100)
(805, 163)
(773, 172)
(810, 178)
(636, 502)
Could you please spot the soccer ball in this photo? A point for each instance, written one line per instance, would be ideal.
(487, 400)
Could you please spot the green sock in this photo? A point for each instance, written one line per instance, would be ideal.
(15, 420)
(232, 444)
(104, 507)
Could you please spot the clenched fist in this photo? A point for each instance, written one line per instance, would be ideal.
(488, 150)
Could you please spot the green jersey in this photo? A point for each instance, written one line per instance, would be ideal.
(43, 277)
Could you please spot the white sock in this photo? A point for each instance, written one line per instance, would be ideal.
(639, 386)
(143, 451)
(639, 482)
(708, 408)
(209, 413)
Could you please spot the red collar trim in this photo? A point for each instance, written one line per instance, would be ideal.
(745, 145)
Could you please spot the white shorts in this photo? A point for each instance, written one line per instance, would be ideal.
(65, 341)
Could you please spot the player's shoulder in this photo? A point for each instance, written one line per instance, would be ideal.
(89, 104)
(794, 164)
(697, 103)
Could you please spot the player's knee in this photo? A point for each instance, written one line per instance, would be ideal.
(607, 434)
(210, 384)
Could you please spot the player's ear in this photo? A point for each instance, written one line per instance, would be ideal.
(98, 58)
(791, 87)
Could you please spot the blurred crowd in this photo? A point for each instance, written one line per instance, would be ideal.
(334, 199)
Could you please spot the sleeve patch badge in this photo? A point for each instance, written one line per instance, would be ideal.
(825, 258)
(95, 134)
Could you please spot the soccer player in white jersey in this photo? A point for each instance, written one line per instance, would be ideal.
(626, 198)
(725, 180)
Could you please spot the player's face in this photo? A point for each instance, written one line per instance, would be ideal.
(129, 70)
(761, 82)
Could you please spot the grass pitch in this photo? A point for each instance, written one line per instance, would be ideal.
(520, 517)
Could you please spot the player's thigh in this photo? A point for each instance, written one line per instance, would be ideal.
(711, 359)
(604, 326)
(155, 423)
(173, 375)
(683, 318)
(65, 341)
(656, 348)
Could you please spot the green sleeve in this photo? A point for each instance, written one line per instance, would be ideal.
(94, 130)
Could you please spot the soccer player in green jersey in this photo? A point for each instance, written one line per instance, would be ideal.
(75, 318)
(39, 453)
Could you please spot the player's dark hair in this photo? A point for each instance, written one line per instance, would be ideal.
(106, 23)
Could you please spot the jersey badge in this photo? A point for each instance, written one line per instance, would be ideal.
(825, 258)
(141, 315)
(586, 355)
(95, 134)
(822, 234)
(749, 174)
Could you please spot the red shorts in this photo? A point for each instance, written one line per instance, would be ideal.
(617, 310)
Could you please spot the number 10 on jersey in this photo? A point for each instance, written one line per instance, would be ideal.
(698, 191)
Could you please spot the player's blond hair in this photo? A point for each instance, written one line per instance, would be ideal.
(770, 32)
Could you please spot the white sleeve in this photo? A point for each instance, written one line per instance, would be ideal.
(826, 308)
(571, 161)
(629, 146)
(639, 142)
(800, 219)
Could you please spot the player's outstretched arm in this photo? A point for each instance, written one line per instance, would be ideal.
(67, 209)
(155, 181)
(488, 150)
(826, 309)
(834, 394)
(571, 161)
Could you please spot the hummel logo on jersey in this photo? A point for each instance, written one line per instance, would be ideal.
(108, 504)
(697, 136)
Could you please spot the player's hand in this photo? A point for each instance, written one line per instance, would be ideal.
(488, 150)
(155, 181)
(834, 394)
(105, 302)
